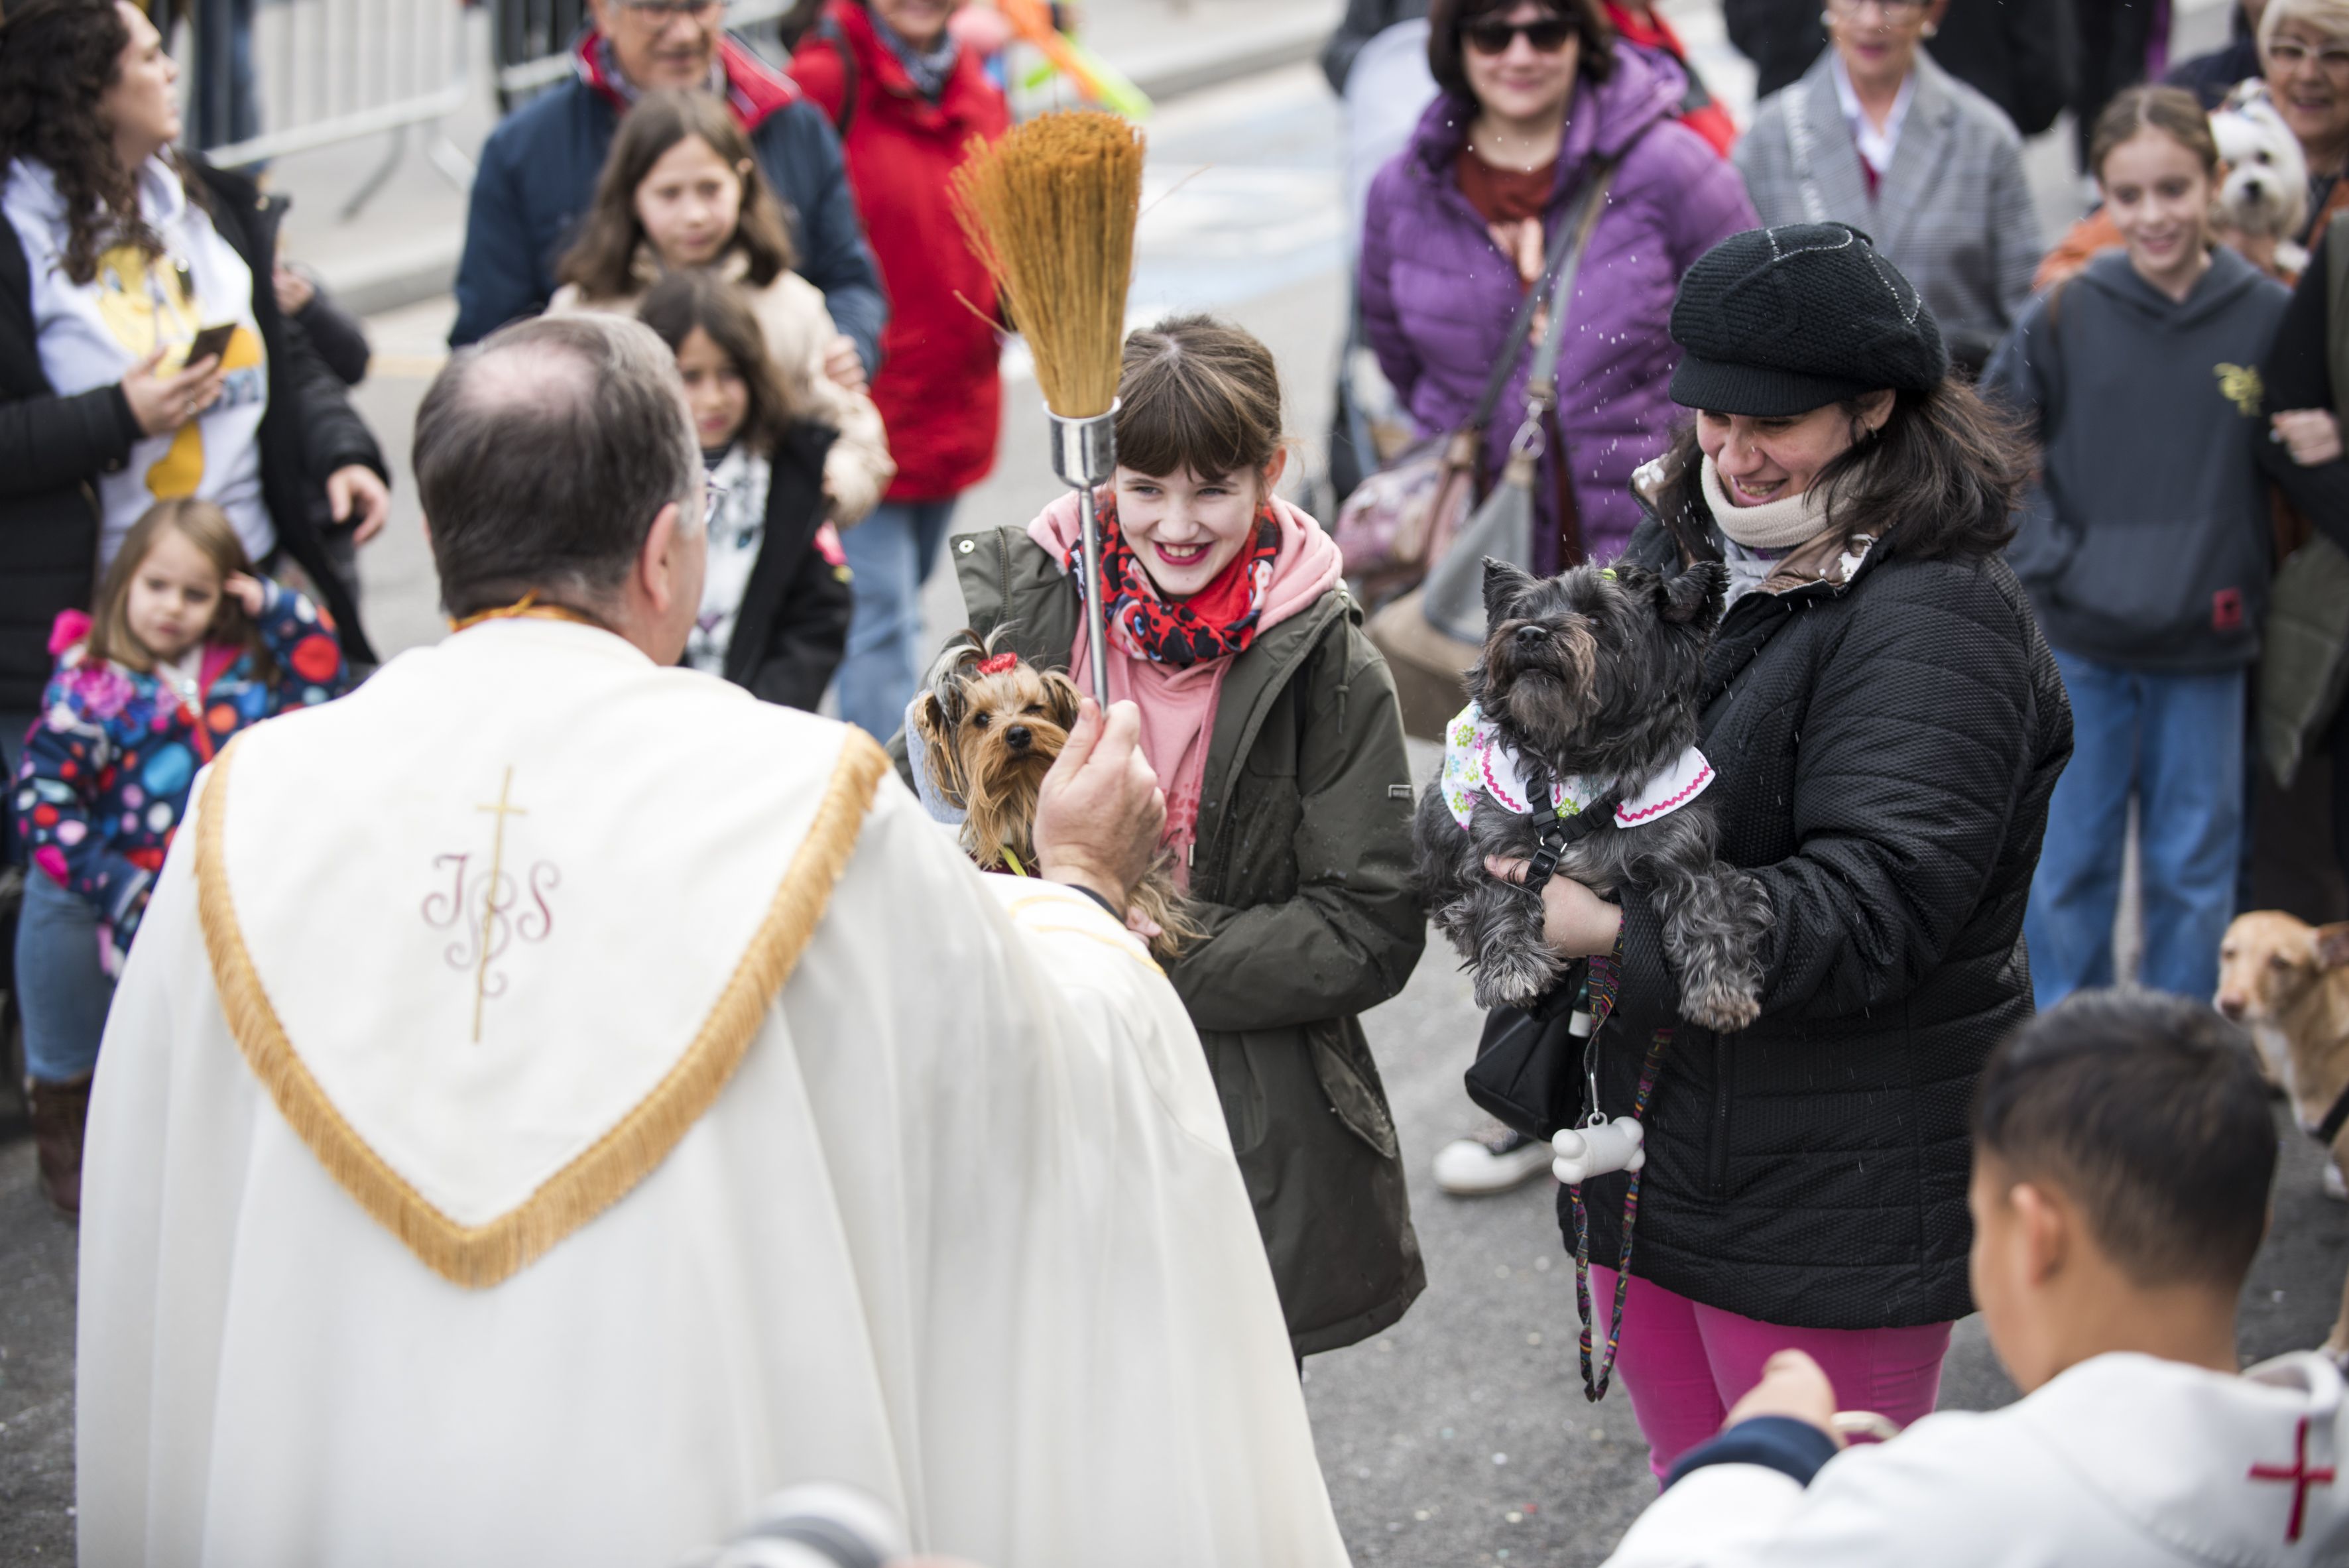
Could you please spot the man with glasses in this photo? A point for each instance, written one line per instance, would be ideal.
(538, 171)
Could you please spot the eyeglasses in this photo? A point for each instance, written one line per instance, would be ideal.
(1493, 34)
(1893, 10)
(2285, 54)
(661, 12)
(713, 498)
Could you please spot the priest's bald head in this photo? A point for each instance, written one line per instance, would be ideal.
(557, 457)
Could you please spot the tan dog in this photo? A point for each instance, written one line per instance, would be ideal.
(989, 726)
(2289, 982)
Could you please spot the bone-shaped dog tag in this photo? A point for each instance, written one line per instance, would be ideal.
(1586, 1151)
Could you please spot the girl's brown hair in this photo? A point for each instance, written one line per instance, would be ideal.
(2169, 110)
(1194, 393)
(602, 260)
(1447, 18)
(698, 297)
(206, 527)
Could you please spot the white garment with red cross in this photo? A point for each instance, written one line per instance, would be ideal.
(2124, 1458)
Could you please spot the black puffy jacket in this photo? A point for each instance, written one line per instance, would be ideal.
(51, 447)
(1886, 749)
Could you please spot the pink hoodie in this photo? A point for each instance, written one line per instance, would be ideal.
(1178, 707)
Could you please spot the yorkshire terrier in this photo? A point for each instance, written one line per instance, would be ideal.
(989, 726)
(1577, 753)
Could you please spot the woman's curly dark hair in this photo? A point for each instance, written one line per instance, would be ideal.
(58, 58)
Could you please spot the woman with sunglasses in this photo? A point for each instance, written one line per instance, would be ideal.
(1877, 136)
(1534, 96)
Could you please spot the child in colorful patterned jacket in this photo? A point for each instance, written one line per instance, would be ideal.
(187, 646)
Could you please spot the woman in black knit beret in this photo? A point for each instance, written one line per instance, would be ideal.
(1886, 725)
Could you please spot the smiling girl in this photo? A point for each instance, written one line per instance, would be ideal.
(1273, 727)
(2146, 550)
(187, 645)
(680, 190)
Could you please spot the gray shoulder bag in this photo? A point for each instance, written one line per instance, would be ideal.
(1503, 527)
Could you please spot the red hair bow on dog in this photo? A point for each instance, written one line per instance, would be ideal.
(996, 664)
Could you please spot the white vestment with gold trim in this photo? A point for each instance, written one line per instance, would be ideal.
(459, 1191)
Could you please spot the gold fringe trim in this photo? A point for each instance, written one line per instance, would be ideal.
(478, 1256)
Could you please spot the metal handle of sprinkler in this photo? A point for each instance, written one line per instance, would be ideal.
(1085, 455)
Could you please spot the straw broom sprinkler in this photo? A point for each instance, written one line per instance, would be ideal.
(1050, 211)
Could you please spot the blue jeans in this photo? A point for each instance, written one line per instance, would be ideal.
(2176, 742)
(891, 553)
(60, 985)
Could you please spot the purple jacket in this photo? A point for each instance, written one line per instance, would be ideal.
(1438, 293)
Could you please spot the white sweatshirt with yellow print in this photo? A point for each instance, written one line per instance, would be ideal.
(91, 333)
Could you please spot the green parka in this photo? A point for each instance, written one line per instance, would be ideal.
(1299, 875)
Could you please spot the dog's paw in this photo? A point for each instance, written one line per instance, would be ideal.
(1721, 1005)
(1515, 979)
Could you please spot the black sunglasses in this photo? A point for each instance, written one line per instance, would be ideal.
(1492, 34)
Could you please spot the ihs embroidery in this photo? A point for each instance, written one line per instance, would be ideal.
(482, 905)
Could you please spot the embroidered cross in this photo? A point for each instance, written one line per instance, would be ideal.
(2300, 1477)
(490, 913)
(490, 904)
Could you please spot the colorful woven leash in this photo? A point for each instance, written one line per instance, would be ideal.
(1606, 979)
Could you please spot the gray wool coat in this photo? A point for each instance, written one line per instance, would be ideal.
(1954, 211)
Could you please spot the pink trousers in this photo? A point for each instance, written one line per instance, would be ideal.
(1685, 1365)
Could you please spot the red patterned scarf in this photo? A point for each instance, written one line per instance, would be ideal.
(1219, 620)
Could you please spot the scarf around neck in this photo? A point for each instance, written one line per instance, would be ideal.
(1773, 525)
(1177, 633)
(929, 68)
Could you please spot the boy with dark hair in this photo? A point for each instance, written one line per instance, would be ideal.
(2123, 1151)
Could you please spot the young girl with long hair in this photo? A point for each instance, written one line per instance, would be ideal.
(680, 189)
(187, 646)
(2146, 550)
(1273, 727)
(775, 601)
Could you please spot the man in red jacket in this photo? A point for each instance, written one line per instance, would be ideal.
(907, 98)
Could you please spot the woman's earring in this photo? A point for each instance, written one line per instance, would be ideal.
(1932, 29)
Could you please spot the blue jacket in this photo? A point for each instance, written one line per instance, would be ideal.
(537, 179)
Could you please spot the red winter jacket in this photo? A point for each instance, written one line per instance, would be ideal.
(939, 392)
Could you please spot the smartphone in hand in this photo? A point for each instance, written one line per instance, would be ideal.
(211, 343)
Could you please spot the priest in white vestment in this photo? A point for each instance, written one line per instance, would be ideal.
(556, 1100)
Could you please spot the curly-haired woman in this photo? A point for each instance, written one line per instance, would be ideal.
(116, 252)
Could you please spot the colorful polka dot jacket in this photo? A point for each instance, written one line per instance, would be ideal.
(108, 765)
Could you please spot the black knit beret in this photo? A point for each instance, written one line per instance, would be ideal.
(1777, 322)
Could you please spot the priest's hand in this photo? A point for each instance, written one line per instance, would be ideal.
(1100, 810)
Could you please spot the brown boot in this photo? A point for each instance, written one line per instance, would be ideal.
(61, 1112)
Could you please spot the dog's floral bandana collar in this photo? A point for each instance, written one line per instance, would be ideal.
(1475, 761)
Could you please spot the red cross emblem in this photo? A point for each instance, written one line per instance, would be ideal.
(2300, 1477)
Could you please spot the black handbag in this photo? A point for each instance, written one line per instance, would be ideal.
(1528, 1066)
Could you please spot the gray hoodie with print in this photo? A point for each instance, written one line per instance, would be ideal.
(2146, 542)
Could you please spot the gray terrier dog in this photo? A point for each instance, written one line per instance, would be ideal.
(1577, 753)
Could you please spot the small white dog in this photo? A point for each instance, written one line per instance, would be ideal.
(2264, 200)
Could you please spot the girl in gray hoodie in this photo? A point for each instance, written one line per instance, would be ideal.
(2146, 550)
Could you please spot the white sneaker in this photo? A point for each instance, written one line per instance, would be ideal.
(1492, 1161)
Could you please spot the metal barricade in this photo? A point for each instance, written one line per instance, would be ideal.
(530, 40)
(272, 78)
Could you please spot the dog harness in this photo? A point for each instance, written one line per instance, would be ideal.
(1476, 760)
(2325, 1132)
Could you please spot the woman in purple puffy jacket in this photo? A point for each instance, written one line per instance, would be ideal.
(1534, 93)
